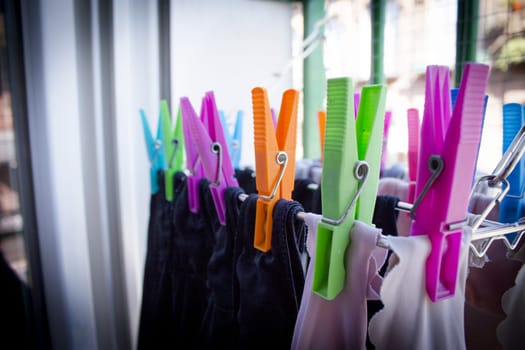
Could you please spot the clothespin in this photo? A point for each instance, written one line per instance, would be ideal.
(212, 149)
(448, 150)
(274, 159)
(386, 129)
(173, 147)
(193, 163)
(511, 209)
(356, 103)
(155, 151)
(234, 141)
(413, 149)
(453, 95)
(321, 118)
(351, 147)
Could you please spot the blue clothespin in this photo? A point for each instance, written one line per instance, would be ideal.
(234, 141)
(155, 151)
(511, 209)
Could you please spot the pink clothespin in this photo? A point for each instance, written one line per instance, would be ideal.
(447, 156)
(386, 129)
(356, 102)
(208, 139)
(413, 149)
(193, 163)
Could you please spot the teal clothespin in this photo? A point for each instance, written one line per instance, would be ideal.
(155, 151)
(236, 150)
(352, 146)
(234, 141)
(173, 148)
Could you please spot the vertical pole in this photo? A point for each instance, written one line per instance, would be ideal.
(466, 35)
(377, 13)
(164, 51)
(314, 81)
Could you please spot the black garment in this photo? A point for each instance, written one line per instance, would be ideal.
(219, 327)
(16, 315)
(271, 284)
(246, 179)
(156, 320)
(306, 192)
(385, 217)
(193, 241)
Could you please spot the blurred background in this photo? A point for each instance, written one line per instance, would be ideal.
(74, 173)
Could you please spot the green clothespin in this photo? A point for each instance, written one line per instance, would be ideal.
(351, 165)
(173, 147)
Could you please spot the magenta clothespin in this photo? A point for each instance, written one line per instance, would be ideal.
(208, 137)
(447, 156)
(413, 148)
(386, 129)
(193, 163)
(356, 103)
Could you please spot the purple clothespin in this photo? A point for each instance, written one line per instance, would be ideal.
(208, 139)
(386, 129)
(193, 163)
(413, 149)
(447, 160)
(356, 102)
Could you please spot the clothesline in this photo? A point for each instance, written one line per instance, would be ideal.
(489, 230)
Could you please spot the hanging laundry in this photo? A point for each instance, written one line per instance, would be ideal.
(341, 323)
(219, 328)
(156, 315)
(409, 319)
(270, 283)
(510, 331)
(193, 243)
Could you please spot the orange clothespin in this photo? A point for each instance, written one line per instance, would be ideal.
(321, 118)
(274, 159)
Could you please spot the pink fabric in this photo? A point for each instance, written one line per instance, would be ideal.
(341, 323)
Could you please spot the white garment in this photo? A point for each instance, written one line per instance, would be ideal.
(510, 331)
(409, 319)
(341, 323)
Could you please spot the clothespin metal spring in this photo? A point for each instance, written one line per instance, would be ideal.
(360, 173)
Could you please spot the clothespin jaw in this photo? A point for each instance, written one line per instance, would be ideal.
(213, 151)
(274, 159)
(413, 149)
(173, 147)
(155, 151)
(236, 148)
(351, 147)
(196, 172)
(321, 118)
(448, 150)
(511, 208)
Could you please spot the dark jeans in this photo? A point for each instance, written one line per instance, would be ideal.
(270, 284)
(219, 327)
(193, 242)
(155, 318)
(174, 290)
